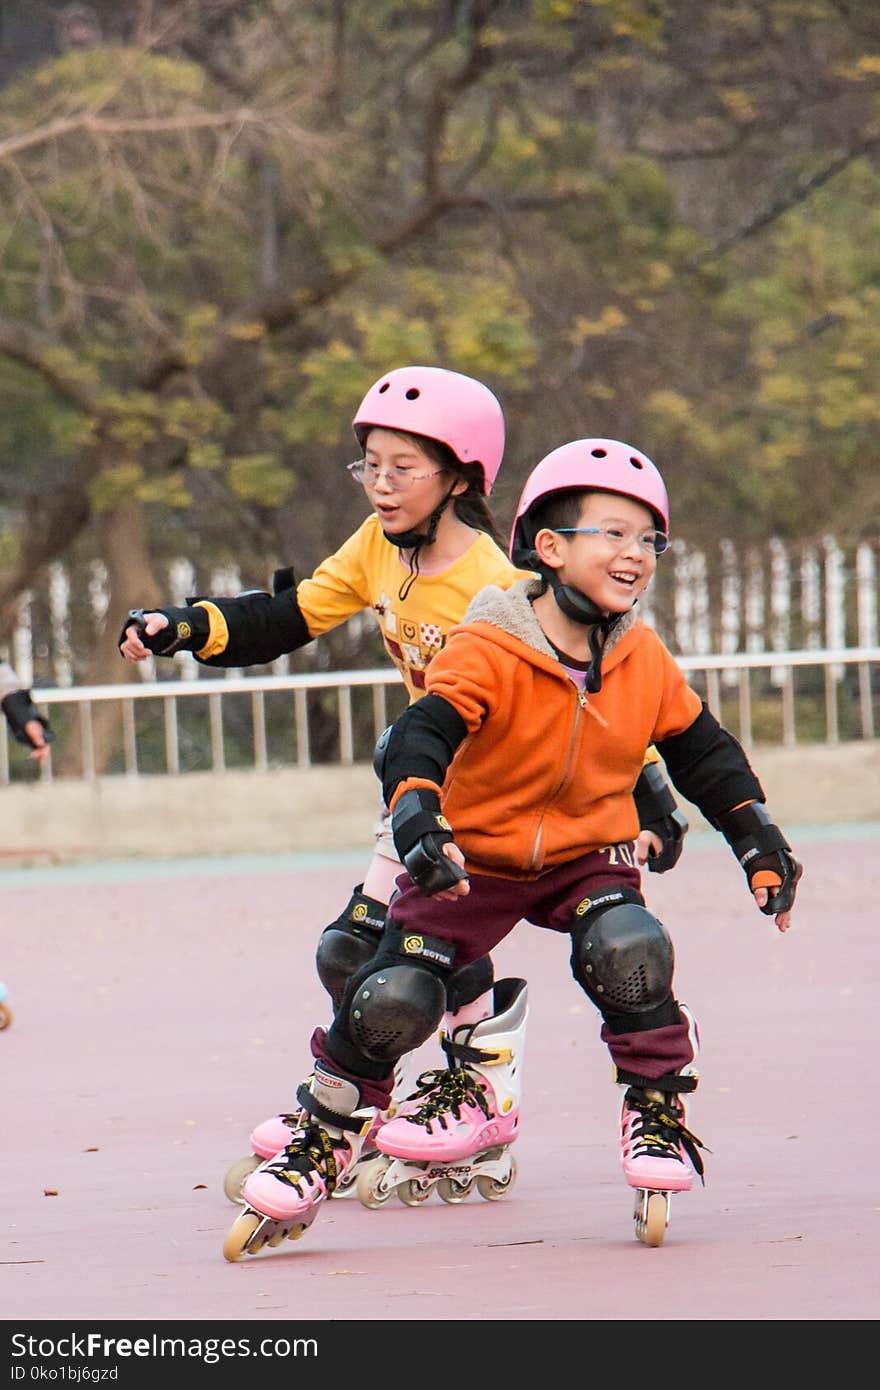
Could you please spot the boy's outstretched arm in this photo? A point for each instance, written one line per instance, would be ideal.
(709, 767)
(412, 762)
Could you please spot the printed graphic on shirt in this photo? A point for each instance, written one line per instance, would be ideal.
(386, 615)
(410, 644)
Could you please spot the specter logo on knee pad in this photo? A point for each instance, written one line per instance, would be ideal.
(431, 949)
(604, 900)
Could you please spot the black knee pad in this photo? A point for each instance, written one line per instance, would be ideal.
(348, 943)
(394, 1010)
(621, 955)
(468, 983)
(396, 1001)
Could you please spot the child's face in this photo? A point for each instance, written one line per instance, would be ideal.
(615, 566)
(402, 482)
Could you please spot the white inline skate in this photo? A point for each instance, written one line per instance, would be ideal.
(270, 1136)
(282, 1196)
(455, 1132)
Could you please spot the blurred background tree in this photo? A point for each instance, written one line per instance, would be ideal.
(220, 220)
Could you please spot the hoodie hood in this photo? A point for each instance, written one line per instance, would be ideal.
(511, 611)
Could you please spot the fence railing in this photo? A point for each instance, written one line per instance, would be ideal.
(817, 696)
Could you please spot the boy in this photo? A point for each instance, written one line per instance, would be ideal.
(510, 785)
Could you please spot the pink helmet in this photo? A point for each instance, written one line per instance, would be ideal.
(604, 464)
(454, 409)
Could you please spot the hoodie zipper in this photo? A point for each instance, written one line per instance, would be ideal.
(582, 703)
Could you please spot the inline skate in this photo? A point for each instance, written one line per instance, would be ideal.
(282, 1196)
(454, 1133)
(270, 1136)
(659, 1155)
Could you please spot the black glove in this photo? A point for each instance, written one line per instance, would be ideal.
(283, 579)
(658, 811)
(761, 849)
(420, 831)
(188, 630)
(20, 709)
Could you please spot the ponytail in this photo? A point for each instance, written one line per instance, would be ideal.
(471, 507)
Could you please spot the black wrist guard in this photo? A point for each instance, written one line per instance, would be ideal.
(420, 831)
(20, 709)
(283, 579)
(187, 631)
(761, 847)
(658, 812)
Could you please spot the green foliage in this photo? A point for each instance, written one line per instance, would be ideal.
(212, 273)
(260, 478)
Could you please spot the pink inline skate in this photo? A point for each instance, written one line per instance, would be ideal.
(658, 1152)
(456, 1130)
(283, 1195)
(270, 1136)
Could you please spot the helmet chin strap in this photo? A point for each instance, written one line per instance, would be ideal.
(417, 540)
(580, 609)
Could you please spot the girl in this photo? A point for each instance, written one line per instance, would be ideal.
(432, 441)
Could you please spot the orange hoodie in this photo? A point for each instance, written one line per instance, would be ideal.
(547, 772)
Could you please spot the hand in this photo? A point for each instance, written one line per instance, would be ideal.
(462, 888)
(765, 856)
(132, 648)
(647, 844)
(761, 894)
(35, 732)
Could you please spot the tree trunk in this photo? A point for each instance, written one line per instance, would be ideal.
(130, 582)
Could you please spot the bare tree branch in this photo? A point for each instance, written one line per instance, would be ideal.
(785, 201)
(36, 350)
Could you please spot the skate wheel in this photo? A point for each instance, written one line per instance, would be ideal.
(369, 1190)
(5, 1016)
(493, 1189)
(451, 1191)
(413, 1193)
(239, 1235)
(234, 1179)
(651, 1216)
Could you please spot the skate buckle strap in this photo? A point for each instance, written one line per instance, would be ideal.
(662, 1129)
(458, 1052)
(356, 1123)
(445, 1091)
(675, 1081)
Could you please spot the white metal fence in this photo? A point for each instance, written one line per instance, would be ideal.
(817, 696)
(781, 596)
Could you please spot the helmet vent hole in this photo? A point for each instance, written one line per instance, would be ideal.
(413, 393)
(636, 463)
(384, 387)
(599, 453)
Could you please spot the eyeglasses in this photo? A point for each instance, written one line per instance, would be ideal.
(654, 542)
(400, 479)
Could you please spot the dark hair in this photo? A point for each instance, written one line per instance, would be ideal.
(557, 509)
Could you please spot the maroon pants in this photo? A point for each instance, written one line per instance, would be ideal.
(475, 924)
